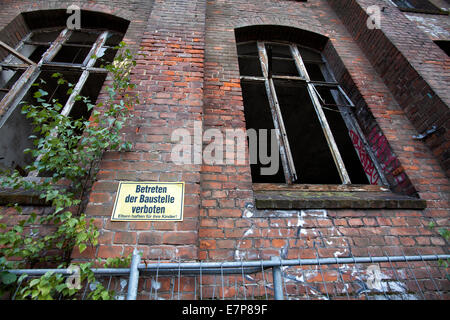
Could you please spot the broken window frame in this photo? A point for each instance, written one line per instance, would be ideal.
(32, 70)
(343, 105)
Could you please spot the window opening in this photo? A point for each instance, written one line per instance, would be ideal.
(77, 55)
(290, 88)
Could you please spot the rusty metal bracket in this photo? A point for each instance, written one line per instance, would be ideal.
(426, 134)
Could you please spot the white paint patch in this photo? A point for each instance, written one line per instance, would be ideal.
(314, 213)
(248, 213)
(431, 26)
(338, 253)
(156, 285)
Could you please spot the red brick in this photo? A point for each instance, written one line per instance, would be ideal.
(125, 238)
(180, 237)
(211, 233)
(355, 222)
(150, 237)
(110, 252)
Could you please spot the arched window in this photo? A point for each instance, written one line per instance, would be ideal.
(289, 88)
(76, 54)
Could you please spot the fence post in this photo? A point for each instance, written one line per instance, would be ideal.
(277, 280)
(134, 276)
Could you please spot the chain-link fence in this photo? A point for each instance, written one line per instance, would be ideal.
(418, 277)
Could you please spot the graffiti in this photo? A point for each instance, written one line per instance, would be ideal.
(367, 163)
(388, 161)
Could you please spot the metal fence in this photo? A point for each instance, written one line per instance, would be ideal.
(367, 278)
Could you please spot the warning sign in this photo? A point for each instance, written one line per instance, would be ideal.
(149, 201)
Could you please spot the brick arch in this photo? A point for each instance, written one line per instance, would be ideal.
(312, 25)
(281, 33)
(89, 19)
(28, 20)
(123, 13)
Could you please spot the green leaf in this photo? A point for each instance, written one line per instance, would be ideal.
(7, 277)
(34, 282)
(82, 247)
(40, 93)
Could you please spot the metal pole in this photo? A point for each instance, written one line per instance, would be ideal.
(134, 276)
(235, 266)
(277, 279)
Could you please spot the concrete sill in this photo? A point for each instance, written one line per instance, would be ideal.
(21, 197)
(27, 197)
(332, 197)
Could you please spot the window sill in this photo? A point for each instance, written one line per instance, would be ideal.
(285, 197)
(27, 197)
(21, 197)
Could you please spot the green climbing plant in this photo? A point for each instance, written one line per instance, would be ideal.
(66, 155)
(444, 233)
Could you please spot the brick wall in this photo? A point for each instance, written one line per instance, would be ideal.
(411, 66)
(170, 83)
(223, 234)
(190, 73)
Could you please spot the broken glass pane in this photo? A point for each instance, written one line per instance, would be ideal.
(281, 62)
(72, 54)
(311, 153)
(104, 57)
(249, 63)
(83, 38)
(258, 116)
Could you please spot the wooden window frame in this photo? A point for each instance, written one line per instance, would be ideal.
(344, 108)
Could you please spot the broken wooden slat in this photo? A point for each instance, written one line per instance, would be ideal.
(345, 178)
(15, 53)
(285, 150)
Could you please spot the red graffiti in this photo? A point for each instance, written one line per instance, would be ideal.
(388, 161)
(367, 163)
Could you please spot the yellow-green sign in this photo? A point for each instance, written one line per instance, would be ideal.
(149, 201)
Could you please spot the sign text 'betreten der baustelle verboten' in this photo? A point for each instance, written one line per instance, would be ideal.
(149, 201)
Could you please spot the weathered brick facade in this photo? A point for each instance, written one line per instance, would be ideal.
(396, 76)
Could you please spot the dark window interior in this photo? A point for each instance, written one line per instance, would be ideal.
(90, 89)
(83, 38)
(314, 71)
(281, 62)
(249, 64)
(444, 45)
(310, 144)
(345, 146)
(258, 116)
(71, 54)
(312, 156)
